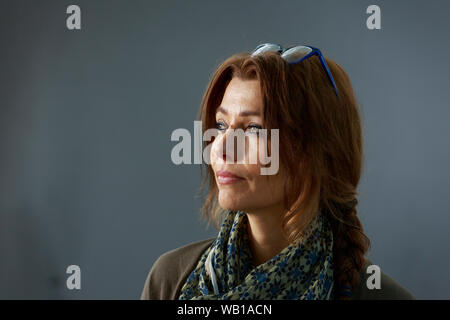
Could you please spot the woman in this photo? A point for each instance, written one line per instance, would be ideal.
(294, 234)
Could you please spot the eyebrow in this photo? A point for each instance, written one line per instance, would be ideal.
(242, 113)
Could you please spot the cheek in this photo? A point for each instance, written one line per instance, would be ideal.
(253, 149)
(252, 152)
(268, 189)
(257, 151)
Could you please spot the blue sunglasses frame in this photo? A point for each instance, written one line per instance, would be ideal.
(314, 52)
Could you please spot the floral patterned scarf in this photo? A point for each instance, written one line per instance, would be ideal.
(300, 271)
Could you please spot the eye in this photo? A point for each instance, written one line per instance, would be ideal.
(220, 126)
(253, 128)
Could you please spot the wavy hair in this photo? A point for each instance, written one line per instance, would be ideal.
(320, 147)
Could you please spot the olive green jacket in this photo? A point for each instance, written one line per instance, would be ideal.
(170, 272)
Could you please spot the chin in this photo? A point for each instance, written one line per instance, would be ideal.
(228, 205)
(228, 202)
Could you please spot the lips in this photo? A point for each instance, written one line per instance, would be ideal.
(227, 177)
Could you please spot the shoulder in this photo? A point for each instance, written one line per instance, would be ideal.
(171, 269)
(387, 288)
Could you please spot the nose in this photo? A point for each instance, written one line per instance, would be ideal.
(221, 148)
(227, 148)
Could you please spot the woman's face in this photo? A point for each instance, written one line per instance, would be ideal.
(240, 182)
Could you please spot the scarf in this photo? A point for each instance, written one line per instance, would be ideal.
(300, 271)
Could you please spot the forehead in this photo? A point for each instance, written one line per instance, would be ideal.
(242, 95)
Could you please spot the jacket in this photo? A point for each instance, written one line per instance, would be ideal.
(171, 270)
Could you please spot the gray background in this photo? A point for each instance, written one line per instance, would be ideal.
(86, 118)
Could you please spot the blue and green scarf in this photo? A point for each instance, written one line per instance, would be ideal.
(300, 271)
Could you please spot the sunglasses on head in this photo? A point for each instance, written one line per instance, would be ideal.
(293, 55)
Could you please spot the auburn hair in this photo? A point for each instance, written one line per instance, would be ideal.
(320, 146)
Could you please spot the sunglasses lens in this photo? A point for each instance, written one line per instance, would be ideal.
(296, 53)
(266, 47)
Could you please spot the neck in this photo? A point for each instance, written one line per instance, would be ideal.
(266, 238)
